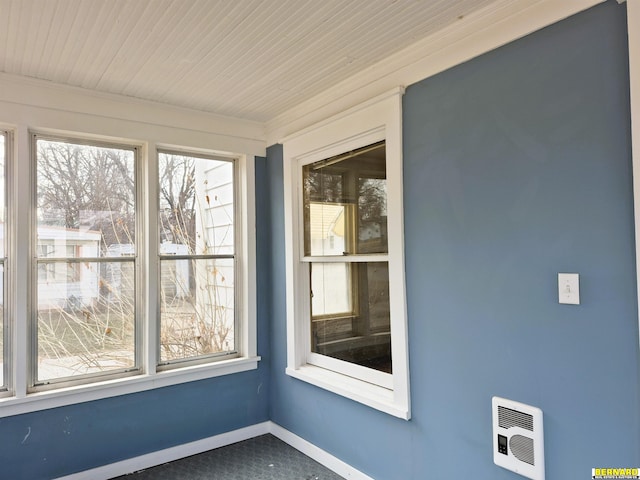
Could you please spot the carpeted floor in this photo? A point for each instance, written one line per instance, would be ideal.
(262, 458)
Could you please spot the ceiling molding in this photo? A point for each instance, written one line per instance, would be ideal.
(31, 92)
(344, 113)
(502, 22)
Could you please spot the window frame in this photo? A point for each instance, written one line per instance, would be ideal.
(371, 122)
(214, 357)
(20, 397)
(35, 384)
(5, 385)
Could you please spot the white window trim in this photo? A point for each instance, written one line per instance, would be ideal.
(375, 120)
(7, 331)
(18, 400)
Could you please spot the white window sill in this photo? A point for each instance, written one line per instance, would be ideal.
(84, 393)
(368, 394)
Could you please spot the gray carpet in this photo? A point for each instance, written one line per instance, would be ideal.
(262, 458)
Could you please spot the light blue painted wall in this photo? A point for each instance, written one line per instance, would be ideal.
(517, 166)
(60, 441)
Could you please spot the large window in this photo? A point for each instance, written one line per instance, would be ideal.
(141, 269)
(346, 318)
(85, 297)
(126, 264)
(197, 250)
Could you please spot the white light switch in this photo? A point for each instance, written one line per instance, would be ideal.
(569, 288)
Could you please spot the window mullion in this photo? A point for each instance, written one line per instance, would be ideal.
(150, 335)
(21, 192)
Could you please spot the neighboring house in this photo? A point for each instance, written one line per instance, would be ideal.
(67, 285)
(175, 280)
(215, 234)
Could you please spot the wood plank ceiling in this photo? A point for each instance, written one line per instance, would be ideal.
(250, 59)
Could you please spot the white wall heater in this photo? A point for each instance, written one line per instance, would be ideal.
(518, 438)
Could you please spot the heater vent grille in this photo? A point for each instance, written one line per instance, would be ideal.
(522, 448)
(518, 437)
(508, 418)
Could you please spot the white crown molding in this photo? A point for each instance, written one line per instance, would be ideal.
(483, 31)
(35, 93)
(399, 90)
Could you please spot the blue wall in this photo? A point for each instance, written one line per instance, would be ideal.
(56, 442)
(517, 166)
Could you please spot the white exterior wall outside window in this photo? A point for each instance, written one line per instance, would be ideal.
(365, 262)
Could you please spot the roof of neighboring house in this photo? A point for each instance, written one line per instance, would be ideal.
(62, 233)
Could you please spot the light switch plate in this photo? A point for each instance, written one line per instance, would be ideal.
(569, 288)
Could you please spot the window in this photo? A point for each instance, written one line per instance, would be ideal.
(4, 331)
(90, 321)
(346, 319)
(345, 221)
(118, 280)
(197, 253)
(85, 298)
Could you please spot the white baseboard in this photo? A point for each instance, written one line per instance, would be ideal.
(193, 448)
(310, 450)
(170, 454)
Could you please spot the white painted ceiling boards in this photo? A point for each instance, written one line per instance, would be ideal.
(248, 59)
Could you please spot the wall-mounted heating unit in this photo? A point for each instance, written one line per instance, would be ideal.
(518, 438)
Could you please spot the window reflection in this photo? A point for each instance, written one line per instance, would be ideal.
(345, 215)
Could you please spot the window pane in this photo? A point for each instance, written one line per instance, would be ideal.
(331, 289)
(372, 215)
(345, 203)
(3, 147)
(2, 328)
(196, 205)
(359, 333)
(85, 210)
(196, 219)
(85, 200)
(85, 326)
(197, 308)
